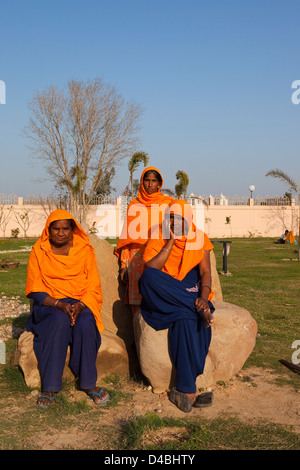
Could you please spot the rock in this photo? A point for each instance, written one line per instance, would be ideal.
(215, 280)
(233, 339)
(112, 359)
(116, 317)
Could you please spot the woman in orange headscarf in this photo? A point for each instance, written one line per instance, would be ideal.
(176, 294)
(290, 238)
(144, 212)
(63, 281)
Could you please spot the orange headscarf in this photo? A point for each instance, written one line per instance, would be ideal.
(187, 251)
(290, 239)
(143, 212)
(75, 276)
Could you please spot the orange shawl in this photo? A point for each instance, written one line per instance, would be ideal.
(143, 212)
(290, 239)
(188, 251)
(75, 276)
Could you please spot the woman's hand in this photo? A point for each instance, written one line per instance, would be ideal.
(66, 308)
(76, 309)
(71, 310)
(124, 275)
(202, 304)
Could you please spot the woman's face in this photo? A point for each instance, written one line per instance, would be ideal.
(178, 225)
(61, 232)
(151, 183)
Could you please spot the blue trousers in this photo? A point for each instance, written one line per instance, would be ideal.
(167, 304)
(52, 336)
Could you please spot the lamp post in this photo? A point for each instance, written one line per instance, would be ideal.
(251, 189)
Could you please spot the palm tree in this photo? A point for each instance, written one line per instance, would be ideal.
(75, 188)
(181, 187)
(285, 178)
(135, 160)
(293, 188)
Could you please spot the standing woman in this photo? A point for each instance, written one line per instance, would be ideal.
(143, 212)
(63, 281)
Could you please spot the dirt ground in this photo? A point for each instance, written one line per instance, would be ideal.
(250, 396)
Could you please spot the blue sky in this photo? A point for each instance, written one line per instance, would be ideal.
(213, 77)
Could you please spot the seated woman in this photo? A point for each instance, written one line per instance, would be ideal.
(63, 281)
(176, 293)
(290, 239)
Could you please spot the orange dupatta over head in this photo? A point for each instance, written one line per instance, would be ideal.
(75, 276)
(187, 251)
(143, 213)
(290, 239)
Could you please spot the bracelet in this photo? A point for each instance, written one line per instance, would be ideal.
(82, 304)
(56, 302)
(207, 287)
(166, 249)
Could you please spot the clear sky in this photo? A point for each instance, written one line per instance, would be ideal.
(213, 77)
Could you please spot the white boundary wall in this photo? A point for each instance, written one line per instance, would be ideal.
(218, 221)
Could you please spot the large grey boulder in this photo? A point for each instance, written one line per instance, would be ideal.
(233, 339)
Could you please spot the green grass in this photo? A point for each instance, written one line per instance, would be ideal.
(12, 281)
(227, 433)
(265, 283)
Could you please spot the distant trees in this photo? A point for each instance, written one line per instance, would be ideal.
(135, 160)
(80, 134)
(182, 185)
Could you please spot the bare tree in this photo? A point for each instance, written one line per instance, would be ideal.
(88, 128)
(5, 216)
(24, 220)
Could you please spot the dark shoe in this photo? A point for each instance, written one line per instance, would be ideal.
(181, 400)
(203, 400)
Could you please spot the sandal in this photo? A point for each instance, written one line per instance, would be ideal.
(102, 401)
(203, 400)
(50, 399)
(181, 400)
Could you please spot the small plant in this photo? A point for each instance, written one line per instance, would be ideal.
(15, 232)
(93, 228)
